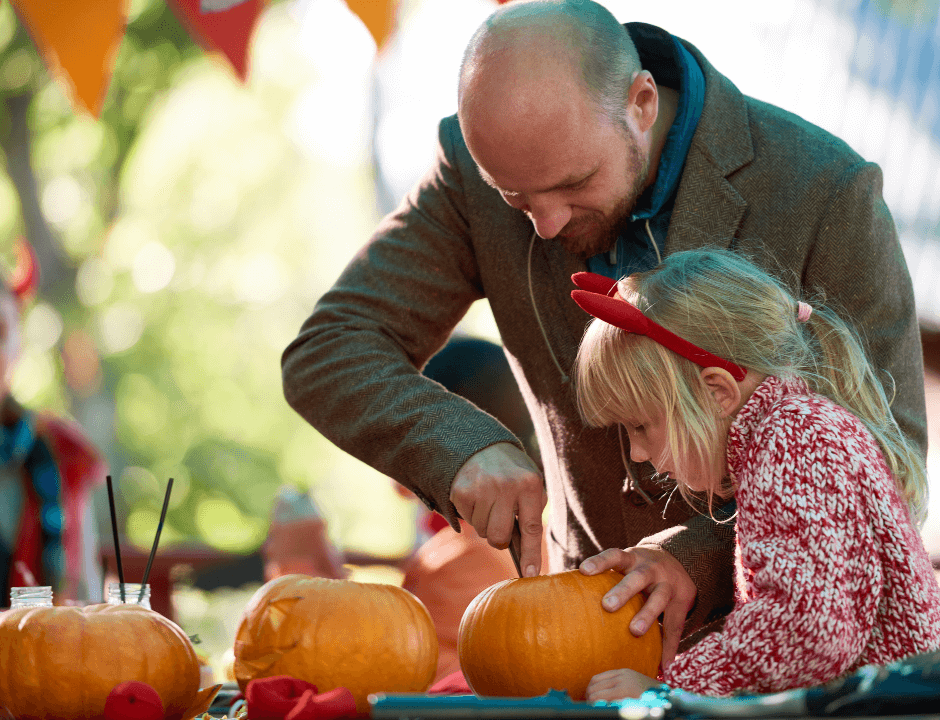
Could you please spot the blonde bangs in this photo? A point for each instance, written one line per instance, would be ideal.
(624, 377)
(621, 375)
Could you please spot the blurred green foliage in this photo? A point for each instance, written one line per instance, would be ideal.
(193, 236)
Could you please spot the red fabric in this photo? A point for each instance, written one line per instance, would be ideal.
(28, 548)
(283, 697)
(81, 469)
(433, 523)
(453, 684)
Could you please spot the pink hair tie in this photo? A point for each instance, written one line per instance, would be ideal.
(804, 311)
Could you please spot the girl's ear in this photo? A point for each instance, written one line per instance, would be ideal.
(724, 389)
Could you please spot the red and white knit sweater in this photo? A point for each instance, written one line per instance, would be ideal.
(831, 572)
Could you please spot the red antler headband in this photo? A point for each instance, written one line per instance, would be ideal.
(595, 297)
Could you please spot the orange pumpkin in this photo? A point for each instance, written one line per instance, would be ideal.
(337, 633)
(61, 662)
(526, 636)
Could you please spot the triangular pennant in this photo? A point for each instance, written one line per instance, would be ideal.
(78, 40)
(378, 16)
(225, 26)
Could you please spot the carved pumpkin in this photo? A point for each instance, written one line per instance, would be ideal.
(337, 633)
(526, 636)
(62, 662)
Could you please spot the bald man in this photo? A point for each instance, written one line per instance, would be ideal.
(581, 144)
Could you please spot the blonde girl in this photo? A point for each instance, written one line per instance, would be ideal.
(733, 388)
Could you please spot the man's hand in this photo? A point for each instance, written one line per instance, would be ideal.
(669, 589)
(618, 684)
(494, 486)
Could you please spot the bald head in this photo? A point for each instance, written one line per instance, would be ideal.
(526, 52)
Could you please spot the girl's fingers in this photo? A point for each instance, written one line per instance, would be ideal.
(655, 604)
(610, 559)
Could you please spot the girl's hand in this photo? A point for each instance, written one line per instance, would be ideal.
(617, 685)
(669, 590)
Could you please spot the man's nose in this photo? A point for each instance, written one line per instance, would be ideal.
(548, 216)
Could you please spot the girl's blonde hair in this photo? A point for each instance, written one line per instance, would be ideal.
(723, 303)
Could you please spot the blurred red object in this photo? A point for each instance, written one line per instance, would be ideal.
(25, 277)
(453, 684)
(227, 28)
(283, 697)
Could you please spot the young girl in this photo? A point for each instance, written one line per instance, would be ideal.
(732, 388)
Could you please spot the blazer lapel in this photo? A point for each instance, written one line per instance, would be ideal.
(708, 209)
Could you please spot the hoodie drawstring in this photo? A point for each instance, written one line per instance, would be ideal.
(631, 484)
(659, 258)
(564, 376)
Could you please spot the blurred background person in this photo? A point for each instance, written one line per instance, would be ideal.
(297, 540)
(449, 569)
(48, 472)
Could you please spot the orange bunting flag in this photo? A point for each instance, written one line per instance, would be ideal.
(378, 16)
(224, 26)
(78, 41)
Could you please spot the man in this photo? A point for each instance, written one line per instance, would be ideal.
(578, 146)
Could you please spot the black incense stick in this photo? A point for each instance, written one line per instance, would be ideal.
(156, 540)
(117, 545)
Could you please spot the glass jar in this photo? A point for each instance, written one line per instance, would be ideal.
(40, 596)
(132, 594)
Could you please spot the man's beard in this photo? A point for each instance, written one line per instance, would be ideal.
(602, 229)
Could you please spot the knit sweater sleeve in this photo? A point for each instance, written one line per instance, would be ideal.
(808, 580)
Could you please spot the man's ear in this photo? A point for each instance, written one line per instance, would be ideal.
(724, 389)
(643, 100)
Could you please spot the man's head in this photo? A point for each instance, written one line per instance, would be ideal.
(558, 115)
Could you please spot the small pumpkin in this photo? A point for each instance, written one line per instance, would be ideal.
(526, 636)
(366, 637)
(63, 662)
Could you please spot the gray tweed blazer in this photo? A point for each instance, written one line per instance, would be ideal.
(757, 179)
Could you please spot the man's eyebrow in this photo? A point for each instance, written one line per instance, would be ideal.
(487, 179)
(567, 182)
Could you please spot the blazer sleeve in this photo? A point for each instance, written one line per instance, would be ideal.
(353, 370)
(809, 576)
(705, 548)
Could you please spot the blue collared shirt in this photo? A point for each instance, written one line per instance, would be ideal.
(634, 250)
